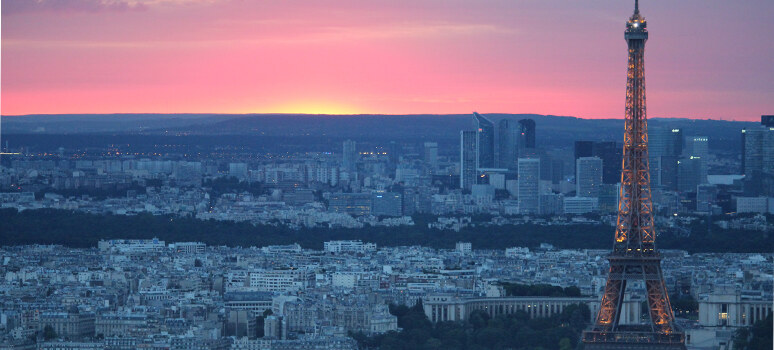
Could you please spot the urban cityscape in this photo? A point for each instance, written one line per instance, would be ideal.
(384, 231)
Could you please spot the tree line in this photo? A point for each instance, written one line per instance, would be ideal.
(480, 331)
(79, 229)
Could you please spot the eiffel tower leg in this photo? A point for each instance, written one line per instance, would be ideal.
(658, 300)
(610, 307)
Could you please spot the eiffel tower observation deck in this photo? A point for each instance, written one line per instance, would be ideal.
(634, 257)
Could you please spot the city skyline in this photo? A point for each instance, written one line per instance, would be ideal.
(418, 57)
(428, 230)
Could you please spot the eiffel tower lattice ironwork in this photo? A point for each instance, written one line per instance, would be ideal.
(634, 256)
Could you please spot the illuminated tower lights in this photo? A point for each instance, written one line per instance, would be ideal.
(634, 257)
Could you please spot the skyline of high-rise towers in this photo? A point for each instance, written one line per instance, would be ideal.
(677, 162)
(497, 147)
(500, 144)
(634, 259)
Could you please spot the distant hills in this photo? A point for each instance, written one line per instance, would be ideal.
(550, 129)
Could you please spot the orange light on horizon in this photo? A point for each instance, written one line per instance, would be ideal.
(304, 107)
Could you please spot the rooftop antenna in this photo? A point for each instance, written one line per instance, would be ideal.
(636, 7)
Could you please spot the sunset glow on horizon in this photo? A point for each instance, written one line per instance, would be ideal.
(705, 58)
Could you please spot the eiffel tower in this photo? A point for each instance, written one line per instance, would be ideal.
(634, 256)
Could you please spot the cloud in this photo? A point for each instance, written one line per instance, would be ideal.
(11, 7)
(414, 30)
(310, 34)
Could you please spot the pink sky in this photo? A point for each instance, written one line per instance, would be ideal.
(705, 58)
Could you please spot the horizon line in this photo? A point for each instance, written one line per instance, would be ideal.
(353, 115)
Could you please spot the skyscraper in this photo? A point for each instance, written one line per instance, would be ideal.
(507, 144)
(634, 256)
(668, 172)
(665, 141)
(431, 154)
(485, 141)
(758, 160)
(529, 186)
(691, 173)
(527, 133)
(608, 151)
(588, 177)
(393, 152)
(665, 147)
(758, 150)
(584, 149)
(698, 147)
(468, 172)
(349, 156)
